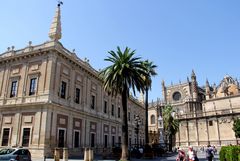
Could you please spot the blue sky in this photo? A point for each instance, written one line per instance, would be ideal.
(177, 35)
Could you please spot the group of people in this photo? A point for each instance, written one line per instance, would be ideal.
(191, 154)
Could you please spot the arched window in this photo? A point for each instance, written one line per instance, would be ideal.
(152, 119)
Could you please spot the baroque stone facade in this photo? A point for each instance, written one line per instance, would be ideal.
(50, 98)
(205, 113)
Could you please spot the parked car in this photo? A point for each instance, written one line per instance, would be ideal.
(15, 154)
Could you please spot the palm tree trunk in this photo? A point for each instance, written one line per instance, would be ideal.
(170, 142)
(124, 156)
(146, 116)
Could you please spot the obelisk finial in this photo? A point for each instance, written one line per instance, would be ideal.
(55, 32)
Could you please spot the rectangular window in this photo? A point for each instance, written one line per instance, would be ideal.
(93, 102)
(105, 107)
(33, 85)
(76, 139)
(92, 139)
(113, 141)
(26, 137)
(5, 138)
(63, 90)
(129, 118)
(210, 123)
(112, 110)
(119, 112)
(61, 137)
(77, 96)
(105, 141)
(13, 89)
(130, 141)
(119, 140)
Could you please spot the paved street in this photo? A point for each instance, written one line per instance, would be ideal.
(170, 157)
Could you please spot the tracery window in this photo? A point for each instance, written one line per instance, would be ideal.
(152, 119)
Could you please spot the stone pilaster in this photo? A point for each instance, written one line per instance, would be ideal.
(37, 128)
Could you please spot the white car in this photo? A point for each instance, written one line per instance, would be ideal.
(15, 154)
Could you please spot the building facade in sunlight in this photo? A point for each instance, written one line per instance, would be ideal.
(50, 98)
(205, 113)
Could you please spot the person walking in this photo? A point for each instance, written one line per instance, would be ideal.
(181, 155)
(209, 153)
(192, 154)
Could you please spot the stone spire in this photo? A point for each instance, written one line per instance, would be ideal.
(214, 90)
(55, 33)
(194, 86)
(193, 76)
(164, 91)
(207, 83)
(207, 90)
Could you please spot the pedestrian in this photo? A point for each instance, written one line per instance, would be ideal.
(140, 152)
(202, 149)
(214, 149)
(192, 154)
(209, 153)
(181, 155)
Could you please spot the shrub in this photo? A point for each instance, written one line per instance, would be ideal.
(236, 127)
(230, 153)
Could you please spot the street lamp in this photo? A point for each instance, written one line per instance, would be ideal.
(160, 127)
(137, 123)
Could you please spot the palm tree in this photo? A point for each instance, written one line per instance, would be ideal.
(171, 125)
(124, 73)
(150, 67)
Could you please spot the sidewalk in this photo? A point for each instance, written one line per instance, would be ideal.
(166, 157)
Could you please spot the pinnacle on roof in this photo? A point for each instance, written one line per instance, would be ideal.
(163, 83)
(193, 74)
(207, 83)
(55, 33)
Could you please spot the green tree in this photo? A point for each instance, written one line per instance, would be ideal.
(150, 67)
(171, 124)
(236, 127)
(124, 73)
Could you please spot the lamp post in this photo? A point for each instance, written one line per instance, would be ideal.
(160, 127)
(137, 123)
(154, 138)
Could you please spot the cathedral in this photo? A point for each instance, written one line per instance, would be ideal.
(51, 98)
(205, 113)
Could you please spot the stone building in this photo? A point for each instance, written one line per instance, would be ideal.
(205, 113)
(50, 98)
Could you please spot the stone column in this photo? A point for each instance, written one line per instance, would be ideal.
(2, 77)
(187, 133)
(90, 153)
(207, 132)
(65, 154)
(86, 154)
(73, 86)
(57, 154)
(51, 74)
(218, 132)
